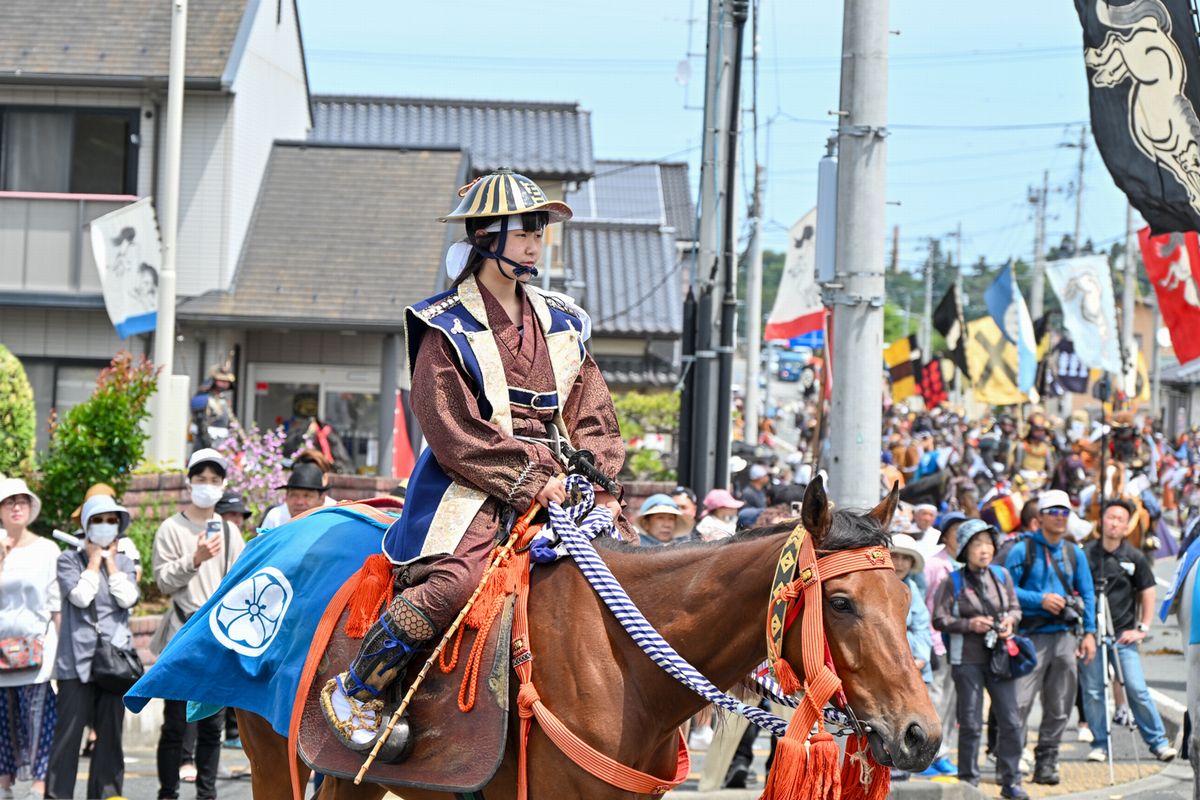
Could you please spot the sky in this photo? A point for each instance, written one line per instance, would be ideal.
(981, 97)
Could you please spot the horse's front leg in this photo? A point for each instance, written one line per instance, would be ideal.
(268, 755)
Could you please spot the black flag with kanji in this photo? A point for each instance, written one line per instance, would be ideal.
(933, 388)
(948, 320)
(1069, 371)
(1142, 61)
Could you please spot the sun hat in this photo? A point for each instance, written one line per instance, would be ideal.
(93, 490)
(968, 531)
(948, 519)
(720, 498)
(231, 503)
(104, 504)
(207, 454)
(662, 504)
(305, 476)
(1055, 498)
(10, 487)
(905, 545)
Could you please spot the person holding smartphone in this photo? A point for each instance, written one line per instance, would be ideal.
(193, 551)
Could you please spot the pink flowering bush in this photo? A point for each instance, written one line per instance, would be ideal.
(256, 466)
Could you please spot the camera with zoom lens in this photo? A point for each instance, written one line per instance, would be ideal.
(1072, 613)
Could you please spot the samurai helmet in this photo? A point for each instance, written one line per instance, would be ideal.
(505, 193)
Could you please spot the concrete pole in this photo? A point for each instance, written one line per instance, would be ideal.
(168, 206)
(754, 309)
(1083, 132)
(1128, 302)
(388, 386)
(857, 397)
(958, 291)
(1038, 293)
(927, 318)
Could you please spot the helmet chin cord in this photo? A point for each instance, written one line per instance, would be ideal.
(518, 268)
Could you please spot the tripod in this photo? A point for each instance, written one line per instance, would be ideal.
(1108, 639)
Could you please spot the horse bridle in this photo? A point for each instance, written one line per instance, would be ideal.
(795, 590)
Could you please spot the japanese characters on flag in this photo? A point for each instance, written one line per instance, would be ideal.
(1173, 265)
(1084, 289)
(798, 308)
(128, 257)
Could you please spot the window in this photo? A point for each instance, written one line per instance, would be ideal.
(81, 151)
(59, 385)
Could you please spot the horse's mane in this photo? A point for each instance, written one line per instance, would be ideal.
(851, 529)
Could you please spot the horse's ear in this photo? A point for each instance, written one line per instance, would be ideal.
(816, 513)
(883, 512)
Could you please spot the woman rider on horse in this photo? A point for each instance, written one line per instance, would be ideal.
(499, 374)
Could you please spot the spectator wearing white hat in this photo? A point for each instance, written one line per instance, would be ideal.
(720, 515)
(659, 521)
(100, 586)
(29, 612)
(754, 494)
(909, 560)
(193, 551)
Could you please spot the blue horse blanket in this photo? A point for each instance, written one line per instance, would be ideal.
(247, 645)
(1186, 564)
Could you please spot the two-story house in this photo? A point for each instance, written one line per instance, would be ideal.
(82, 98)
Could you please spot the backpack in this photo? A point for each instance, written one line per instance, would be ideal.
(1030, 555)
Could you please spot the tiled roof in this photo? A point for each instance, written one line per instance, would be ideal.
(642, 191)
(341, 237)
(548, 140)
(630, 274)
(639, 371)
(113, 38)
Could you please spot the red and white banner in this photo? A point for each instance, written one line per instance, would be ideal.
(798, 308)
(1173, 264)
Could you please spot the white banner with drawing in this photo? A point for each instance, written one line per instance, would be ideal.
(128, 256)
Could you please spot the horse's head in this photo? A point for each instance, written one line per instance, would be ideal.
(866, 624)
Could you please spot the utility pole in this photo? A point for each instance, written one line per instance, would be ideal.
(1128, 301)
(958, 291)
(1038, 293)
(857, 397)
(738, 10)
(164, 332)
(1083, 132)
(927, 319)
(754, 309)
(895, 250)
(697, 452)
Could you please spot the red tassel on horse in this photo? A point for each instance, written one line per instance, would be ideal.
(804, 768)
(863, 778)
(373, 585)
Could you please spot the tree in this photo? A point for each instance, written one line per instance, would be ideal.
(18, 418)
(99, 440)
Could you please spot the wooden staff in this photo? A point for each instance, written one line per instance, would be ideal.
(502, 552)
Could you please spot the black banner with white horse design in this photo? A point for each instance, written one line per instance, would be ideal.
(1143, 69)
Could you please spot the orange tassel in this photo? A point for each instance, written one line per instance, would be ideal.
(786, 677)
(804, 768)
(863, 778)
(372, 592)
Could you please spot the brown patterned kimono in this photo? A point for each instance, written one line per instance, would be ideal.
(477, 453)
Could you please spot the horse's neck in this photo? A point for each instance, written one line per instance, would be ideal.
(710, 604)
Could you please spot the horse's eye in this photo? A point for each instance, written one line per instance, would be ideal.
(841, 604)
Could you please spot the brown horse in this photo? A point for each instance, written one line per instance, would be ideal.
(709, 601)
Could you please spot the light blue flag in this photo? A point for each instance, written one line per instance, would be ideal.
(245, 647)
(1085, 292)
(1008, 309)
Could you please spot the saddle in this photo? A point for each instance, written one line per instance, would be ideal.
(452, 751)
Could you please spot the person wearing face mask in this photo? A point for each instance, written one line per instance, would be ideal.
(99, 585)
(193, 551)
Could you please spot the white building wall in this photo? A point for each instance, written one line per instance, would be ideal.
(270, 103)
(204, 185)
(62, 333)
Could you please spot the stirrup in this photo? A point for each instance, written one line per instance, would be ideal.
(364, 717)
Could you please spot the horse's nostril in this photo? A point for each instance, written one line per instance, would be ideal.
(914, 737)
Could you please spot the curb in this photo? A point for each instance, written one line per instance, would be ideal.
(1175, 776)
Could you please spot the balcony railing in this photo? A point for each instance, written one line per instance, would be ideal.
(44, 246)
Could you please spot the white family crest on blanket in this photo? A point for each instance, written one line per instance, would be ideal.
(250, 615)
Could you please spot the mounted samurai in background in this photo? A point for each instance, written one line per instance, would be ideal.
(506, 395)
